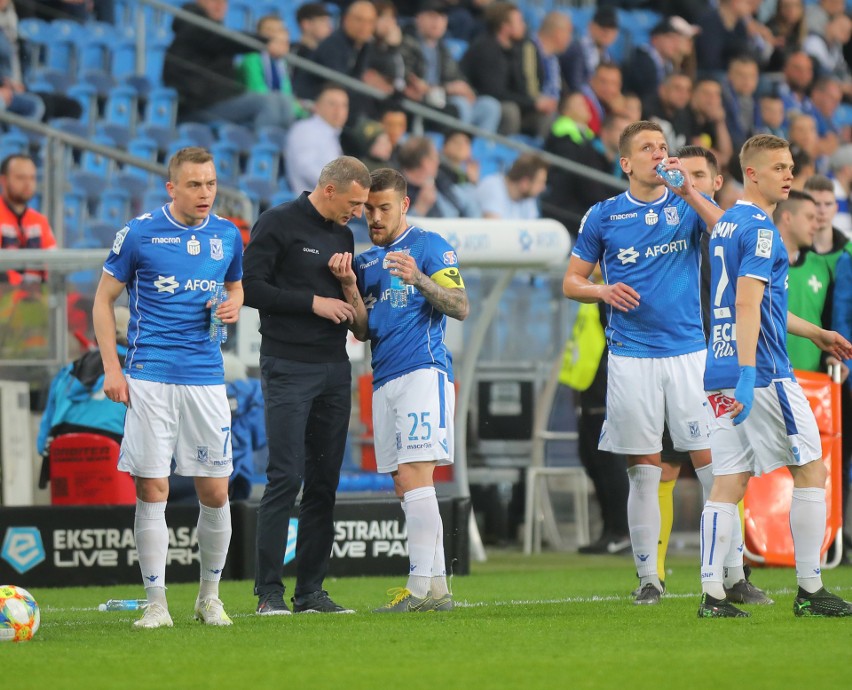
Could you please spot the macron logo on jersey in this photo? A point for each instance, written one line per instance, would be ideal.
(628, 256)
(164, 284)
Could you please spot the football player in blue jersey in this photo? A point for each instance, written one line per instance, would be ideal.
(758, 415)
(410, 283)
(169, 261)
(648, 243)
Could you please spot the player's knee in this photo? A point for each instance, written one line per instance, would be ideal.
(812, 475)
(152, 490)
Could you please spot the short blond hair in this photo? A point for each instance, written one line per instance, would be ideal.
(190, 154)
(757, 145)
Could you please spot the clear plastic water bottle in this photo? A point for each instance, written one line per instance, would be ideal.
(218, 329)
(398, 292)
(673, 177)
(123, 605)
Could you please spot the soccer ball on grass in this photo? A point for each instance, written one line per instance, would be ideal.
(19, 614)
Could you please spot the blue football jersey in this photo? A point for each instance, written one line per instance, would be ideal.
(170, 270)
(746, 243)
(404, 339)
(655, 248)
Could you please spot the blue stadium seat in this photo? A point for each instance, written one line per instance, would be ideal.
(161, 108)
(103, 233)
(13, 143)
(35, 36)
(96, 163)
(240, 16)
(58, 80)
(143, 147)
(100, 79)
(155, 55)
(123, 59)
(122, 106)
(198, 132)
(241, 137)
(263, 161)
(87, 96)
(176, 145)
(114, 207)
(281, 197)
(89, 184)
(120, 134)
(62, 46)
(160, 134)
(93, 50)
(273, 135)
(155, 197)
(70, 126)
(258, 189)
(74, 214)
(227, 159)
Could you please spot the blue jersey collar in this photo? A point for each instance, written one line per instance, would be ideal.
(168, 214)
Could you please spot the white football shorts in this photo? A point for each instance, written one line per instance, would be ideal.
(413, 420)
(780, 430)
(644, 392)
(191, 423)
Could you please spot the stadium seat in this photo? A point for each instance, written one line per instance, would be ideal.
(93, 50)
(240, 16)
(227, 159)
(123, 58)
(114, 207)
(102, 80)
(12, 143)
(74, 214)
(145, 148)
(122, 106)
(103, 233)
(176, 145)
(162, 135)
(155, 55)
(62, 46)
(96, 163)
(89, 184)
(282, 196)
(263, 161)
(241, 137)
(120, 134)
(161, 108)
(69, 125)
(261, 188)
(273, 135)
(58, 80)
(197, 132)
(34, 35)
(87, 96)
(155, 197)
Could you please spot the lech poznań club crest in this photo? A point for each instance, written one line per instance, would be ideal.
(216, 252)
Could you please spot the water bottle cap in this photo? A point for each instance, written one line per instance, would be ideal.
(102, 607)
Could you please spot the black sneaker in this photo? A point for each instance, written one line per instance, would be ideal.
(648, 595)
(317, 602)
(272, 604)
(744, 592)
(719, 608)
(821, 603)
(635, 592)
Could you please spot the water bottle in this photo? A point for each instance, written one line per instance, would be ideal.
(218, 330)
(123, 605)
(398, 292)
(673, 177)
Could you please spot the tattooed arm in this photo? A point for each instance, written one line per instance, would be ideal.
(450, 301)
(341, 267)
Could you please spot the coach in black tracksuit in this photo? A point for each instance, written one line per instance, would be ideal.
(306, 376)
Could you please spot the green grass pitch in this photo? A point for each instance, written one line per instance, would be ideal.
(550, 621)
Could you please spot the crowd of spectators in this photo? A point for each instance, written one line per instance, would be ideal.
(712, 74)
